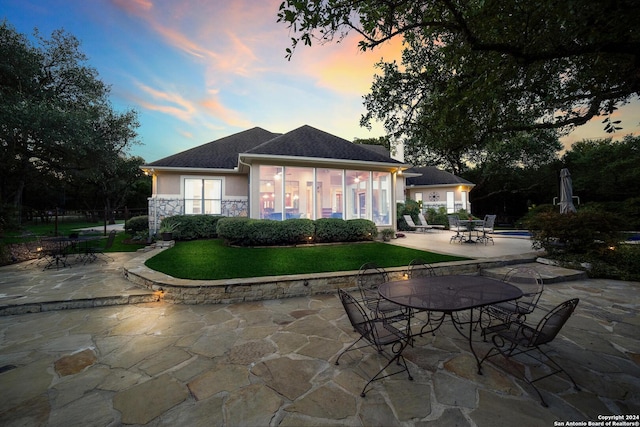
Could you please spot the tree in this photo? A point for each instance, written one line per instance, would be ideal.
(605, 170)
(56, 122)
(477, 73)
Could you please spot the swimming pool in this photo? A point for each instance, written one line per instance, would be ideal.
(515, 233)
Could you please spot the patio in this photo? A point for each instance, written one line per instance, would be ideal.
(271, 363)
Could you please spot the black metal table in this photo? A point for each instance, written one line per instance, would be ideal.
(54, 252)
(471, 225)
(450, 295)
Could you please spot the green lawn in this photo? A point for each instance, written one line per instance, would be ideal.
(120, 243)
(211, 259)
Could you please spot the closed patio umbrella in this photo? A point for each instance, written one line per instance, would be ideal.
(566, 192)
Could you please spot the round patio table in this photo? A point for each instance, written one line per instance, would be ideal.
(450, 295)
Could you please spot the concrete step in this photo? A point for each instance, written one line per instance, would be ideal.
(549, 273)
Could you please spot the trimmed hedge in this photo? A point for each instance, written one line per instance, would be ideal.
(264, 232)
(193, 227)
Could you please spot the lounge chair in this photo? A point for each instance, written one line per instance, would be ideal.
(423, 221)
(412, 224)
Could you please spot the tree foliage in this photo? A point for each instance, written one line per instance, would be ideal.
(58, 129)
(476, 75)
(605, 170)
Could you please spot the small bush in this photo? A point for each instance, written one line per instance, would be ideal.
(263, 232)
(331, 230)
(195, 226)
(438, 216)
(298, 230)
(137, 224)
(233, 230)
(409, 207)
(361, 229)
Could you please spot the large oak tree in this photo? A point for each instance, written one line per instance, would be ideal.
(58, 129)
(483, 74)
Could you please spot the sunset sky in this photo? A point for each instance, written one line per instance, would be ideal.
(200, 70)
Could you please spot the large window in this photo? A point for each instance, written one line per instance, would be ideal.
(358, 199)
(202, 196)
(296, 192)
(380, 198)
(271, 192)
(328, 190)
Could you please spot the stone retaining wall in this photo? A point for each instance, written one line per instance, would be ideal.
(184, 291)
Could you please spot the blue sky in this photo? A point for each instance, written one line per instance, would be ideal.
(200, 70)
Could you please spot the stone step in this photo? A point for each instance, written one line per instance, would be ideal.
(549, 273)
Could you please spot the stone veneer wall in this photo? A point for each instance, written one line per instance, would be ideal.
(160, 208)
(184, 291)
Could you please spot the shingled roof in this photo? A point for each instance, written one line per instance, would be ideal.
(307, 141)
(431, 175)
(219, 154)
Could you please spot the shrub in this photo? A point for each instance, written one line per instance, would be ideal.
(233, 230)
(264, 232)
(438, 216)
(298, 230)
(136, 224)
(331, 230)
(585, 232)
(409, 207)
(361, 229)
(195, 226)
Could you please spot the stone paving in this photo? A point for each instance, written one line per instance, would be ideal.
(271, 363)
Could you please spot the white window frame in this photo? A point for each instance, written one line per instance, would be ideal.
(216, 202)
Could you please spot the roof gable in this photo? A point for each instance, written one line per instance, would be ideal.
(431, 175)
(310, 142)
(219, 154)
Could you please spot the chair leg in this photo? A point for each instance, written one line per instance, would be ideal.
(349, 349)
(400, 361)
(557, 369)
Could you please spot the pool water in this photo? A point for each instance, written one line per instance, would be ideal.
(513, 233)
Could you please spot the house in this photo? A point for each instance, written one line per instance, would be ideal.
(305, 173)
(436, 188)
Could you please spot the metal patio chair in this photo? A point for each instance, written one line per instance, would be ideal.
(419, 267)
(487, 227)
(501, 315)
(388, 341)
(520, 338)
(369, 277)
(455, 226)
(92, 253)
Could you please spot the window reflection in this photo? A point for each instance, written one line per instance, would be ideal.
(297, 192)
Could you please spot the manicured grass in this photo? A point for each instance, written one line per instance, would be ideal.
(211, 259)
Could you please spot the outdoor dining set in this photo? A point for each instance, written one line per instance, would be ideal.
(63, 251)
(464, 230)
(390, 315)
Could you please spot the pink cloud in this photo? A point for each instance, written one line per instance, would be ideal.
(168, 103)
